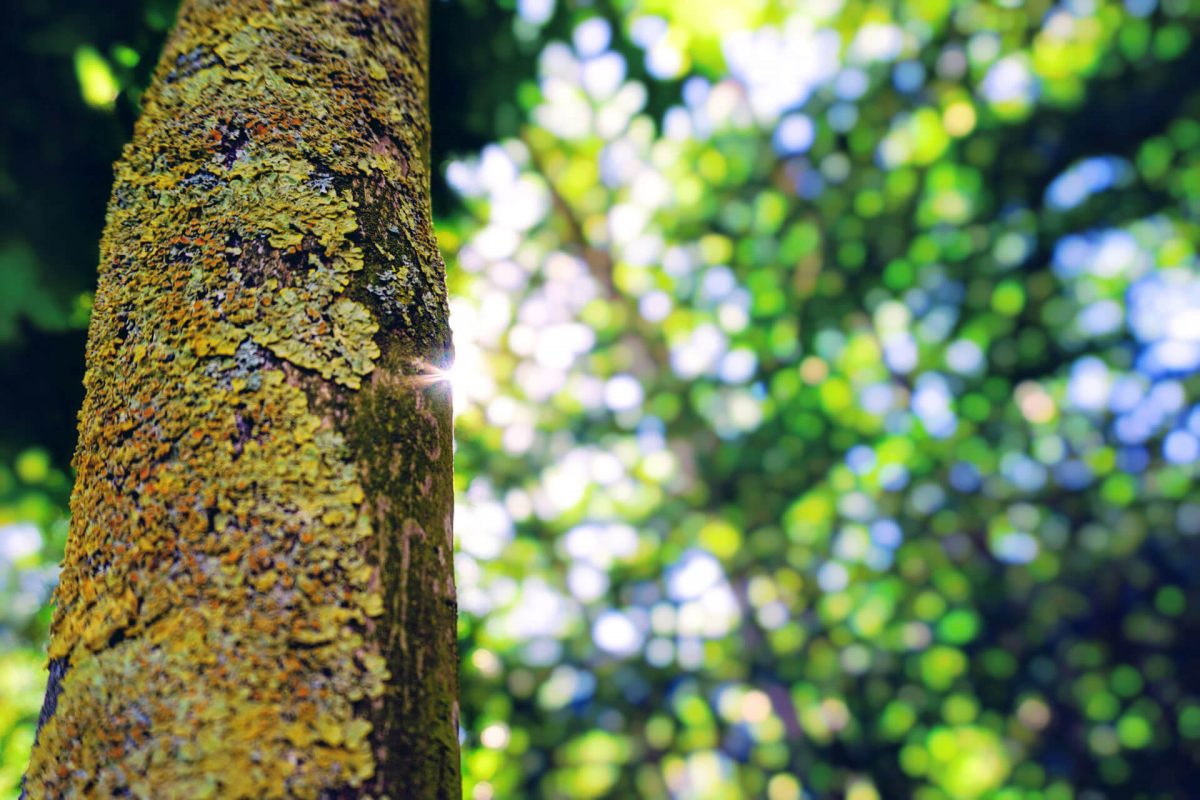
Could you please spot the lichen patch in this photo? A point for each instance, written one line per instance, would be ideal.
(214, 595)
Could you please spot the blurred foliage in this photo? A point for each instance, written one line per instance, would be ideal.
(828, 386)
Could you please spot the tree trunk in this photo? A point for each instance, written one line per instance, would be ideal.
(257, 597)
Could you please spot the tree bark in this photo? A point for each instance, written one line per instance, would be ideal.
(257, 597)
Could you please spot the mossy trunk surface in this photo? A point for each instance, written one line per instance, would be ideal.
(257, 598)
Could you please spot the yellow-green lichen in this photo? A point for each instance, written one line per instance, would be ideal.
(215, 596)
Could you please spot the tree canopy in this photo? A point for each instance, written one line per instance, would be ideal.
(827, 386)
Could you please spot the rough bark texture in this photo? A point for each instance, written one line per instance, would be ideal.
(257, 598)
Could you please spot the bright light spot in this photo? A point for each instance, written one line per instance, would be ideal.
(660, 652)
(1034, 714)
(773, 615)
(851, 84)
(586, 582)
(622, 393)
(617, 634)
(1009, 83)
(1181, 447)
(964, 357)
(645, 31)
(900, 352)
(1016, 548)
(19, 540)
(877, 398)
(860, 459)
(813, 370)
(535, 12)
(699, 353)
(781, 68)
(655, 306)
(744, 413)
(603, 75)
(959, 118)
(565, 685)
(886, 533)
(931, 402)
(692, 575)
(1107, 254)
(1089, 385)
(1035, 403)
(664, 60)
(592, 36)
(557, 346)
(520, 204)
(539, 611)
(1085, 178)
(486, 662)
(877, 42)
(832, 577)
(495, 736)
(1023, 472)
(737, 366)
(756, 706)
(783, 787)
(1164, 311)
(1101, 317)
(795, 134)
(853, 544)
(482, 529)
(600, 545)
(96, 80)
(908, 76)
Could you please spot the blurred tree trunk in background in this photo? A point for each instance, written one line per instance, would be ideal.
(257, 597)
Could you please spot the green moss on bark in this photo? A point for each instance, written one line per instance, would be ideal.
(257, 597)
